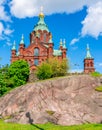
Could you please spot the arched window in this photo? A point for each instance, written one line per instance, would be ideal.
(36, 52)
(91, 64)
(36, 62)
(44, 37)
(87, 64)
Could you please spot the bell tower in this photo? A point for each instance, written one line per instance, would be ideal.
(88, 62)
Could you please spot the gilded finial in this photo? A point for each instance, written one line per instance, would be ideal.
(41, 12)
(50, 36)
(37, 34)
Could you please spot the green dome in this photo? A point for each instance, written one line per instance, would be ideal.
(41, 24)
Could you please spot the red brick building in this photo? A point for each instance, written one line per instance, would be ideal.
(88, 62)
(41, 46)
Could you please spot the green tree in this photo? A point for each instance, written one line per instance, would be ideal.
(3, 79)
(18, 72)
(53, 67)
(44, 71)
(59, 68)
(3, 87)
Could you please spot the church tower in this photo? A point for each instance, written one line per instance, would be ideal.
(88, 62)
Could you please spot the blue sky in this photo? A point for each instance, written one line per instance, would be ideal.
(79, 22)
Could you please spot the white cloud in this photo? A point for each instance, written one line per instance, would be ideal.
(8, 31)
(26, 8)
(1, 28)
(74, 41)
(4, 31)
(92, 24)
(76, 71)
(5, 19)
(3, 14)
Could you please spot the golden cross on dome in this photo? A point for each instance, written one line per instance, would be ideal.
(41, 12)
(41, 9)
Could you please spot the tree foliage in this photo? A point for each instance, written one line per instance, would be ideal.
(3, 79)
(14, 75)
(59, 68)
(44, 71)
(19, 72)
(53, 67)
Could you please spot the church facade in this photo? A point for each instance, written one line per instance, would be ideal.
(41, 46)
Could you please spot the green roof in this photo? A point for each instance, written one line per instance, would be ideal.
(57, 52)
(41, 25)
(88, 55)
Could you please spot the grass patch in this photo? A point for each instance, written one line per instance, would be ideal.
(48, 126)
(96, 74)
(99, 88)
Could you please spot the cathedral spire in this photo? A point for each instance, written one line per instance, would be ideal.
(22, 39)
(88, 55)
(61, 43)
(14, 46)
(64, 44)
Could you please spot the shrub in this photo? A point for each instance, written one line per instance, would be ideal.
(59, 68)
(53, 67)
(44, 71)
(96, 74)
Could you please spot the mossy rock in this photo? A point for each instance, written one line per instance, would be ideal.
(99, 88)
(50, 112)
